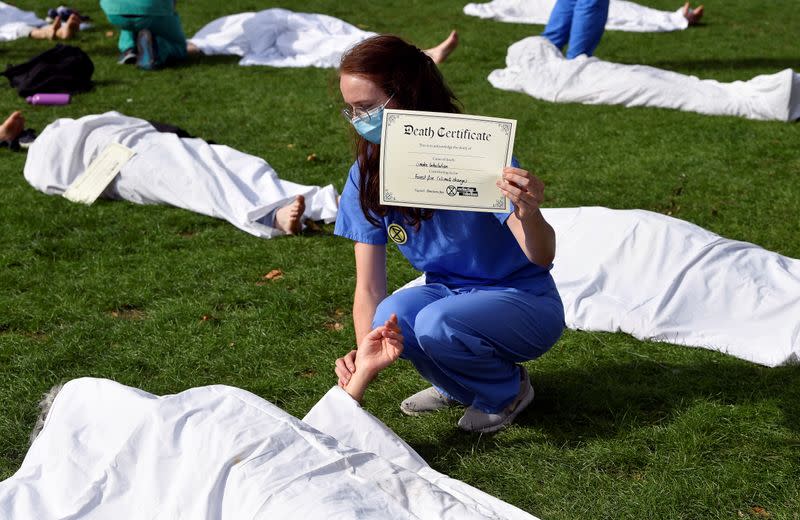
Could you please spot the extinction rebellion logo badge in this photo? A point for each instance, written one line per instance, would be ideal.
(397, 234)
(462, 191)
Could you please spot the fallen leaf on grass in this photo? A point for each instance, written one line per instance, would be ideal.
(127, 313)
(109, 34)
(760, 512)
(275, 274)
(334, 326)
(311, 157)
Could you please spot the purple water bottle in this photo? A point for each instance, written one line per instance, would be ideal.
(48, 99)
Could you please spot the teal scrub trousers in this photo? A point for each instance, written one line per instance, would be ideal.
(168, 35)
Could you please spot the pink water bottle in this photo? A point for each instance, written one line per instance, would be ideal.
(48, 99)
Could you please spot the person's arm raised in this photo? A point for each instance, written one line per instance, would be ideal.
(535, 236)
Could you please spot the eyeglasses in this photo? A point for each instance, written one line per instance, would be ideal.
(360, 114)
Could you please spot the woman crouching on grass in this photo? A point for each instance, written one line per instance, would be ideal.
(489, 302)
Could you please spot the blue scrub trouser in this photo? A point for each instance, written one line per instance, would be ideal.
(579, 24)
(467, 342)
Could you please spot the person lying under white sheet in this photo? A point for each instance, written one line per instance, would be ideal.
(219, 452)
(16, 23)
(663, 279)
(187, 173)
(536, 67)
(622, 15)
(282, 38)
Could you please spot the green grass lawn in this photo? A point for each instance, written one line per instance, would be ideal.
(164, 300)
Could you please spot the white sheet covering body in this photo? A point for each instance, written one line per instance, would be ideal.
(536, 67)
(280, 38)
(213, 180)
(664, 279)
(622, 15)
(16, 23)
(219, 452)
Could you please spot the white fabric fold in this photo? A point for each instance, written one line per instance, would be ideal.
(534, 66)
(622, 15)
(213, 180)
(659, 278)
(280, 38)
(219, 452)
(16, 23)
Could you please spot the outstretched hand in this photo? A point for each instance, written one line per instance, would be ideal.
(378, 349)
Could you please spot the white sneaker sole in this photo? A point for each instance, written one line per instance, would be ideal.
(513, 415)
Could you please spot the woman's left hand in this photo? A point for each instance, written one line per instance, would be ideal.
(524, 189)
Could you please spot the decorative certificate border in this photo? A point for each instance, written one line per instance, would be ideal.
(392, 116)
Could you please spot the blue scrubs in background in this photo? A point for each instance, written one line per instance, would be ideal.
(578, 24)
(485, 306)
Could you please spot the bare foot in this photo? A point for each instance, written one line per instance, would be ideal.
(289, 218)
(48, 32)
(12, 127)
(68, 30)
(692, 15)
(192, 49)
(440, 53)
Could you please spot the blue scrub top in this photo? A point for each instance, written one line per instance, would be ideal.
(454, 248)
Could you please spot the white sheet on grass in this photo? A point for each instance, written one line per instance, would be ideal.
(536, 67)
(280, 38)
(663, 279)
(213, 180)
(16, 23)
(622, 15)
(219, 452)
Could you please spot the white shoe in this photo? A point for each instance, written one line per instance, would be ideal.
(475, 420)
(428, 400)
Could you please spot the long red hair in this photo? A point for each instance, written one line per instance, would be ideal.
(402, 70)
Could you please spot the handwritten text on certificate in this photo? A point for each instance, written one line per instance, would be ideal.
(444, 161)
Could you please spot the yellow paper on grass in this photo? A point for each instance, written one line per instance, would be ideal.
(91, 183)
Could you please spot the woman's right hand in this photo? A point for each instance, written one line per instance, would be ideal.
(345, 368)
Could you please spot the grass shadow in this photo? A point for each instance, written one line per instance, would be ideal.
(202, 59)
(610, 400)
(605, 400)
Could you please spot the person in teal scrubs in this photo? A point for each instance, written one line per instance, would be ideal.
(150, 31)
